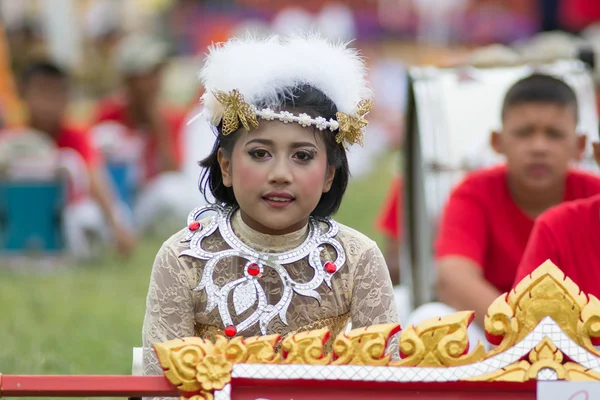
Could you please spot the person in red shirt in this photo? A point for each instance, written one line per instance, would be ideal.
(389, 222)
(45, 92)
(135, 129)
(489, 216)
(566, 235)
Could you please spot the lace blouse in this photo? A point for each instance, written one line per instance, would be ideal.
(361, 290)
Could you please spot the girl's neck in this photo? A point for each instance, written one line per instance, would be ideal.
(258, 227)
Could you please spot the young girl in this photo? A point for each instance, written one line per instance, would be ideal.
(270, 260)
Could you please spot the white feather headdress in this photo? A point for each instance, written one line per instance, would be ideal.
(259, 72)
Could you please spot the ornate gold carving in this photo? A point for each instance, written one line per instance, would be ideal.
(364, 346)
(351, 127)
(546, 292)
(199, 366)
(306, 348)
(516, 372)
(199, 396)
(439, 342)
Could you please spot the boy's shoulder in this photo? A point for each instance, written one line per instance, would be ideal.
(487, 184)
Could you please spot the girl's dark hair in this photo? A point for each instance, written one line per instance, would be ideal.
(301, 99)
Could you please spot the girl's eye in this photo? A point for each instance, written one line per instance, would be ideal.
(304, 155)
(258, 154)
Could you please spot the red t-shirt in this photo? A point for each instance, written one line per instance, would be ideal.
(115, 110)
(389, 222)
(79, 141)
(568, 235)
(482, 222)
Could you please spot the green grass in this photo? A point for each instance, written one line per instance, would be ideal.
(87, 319)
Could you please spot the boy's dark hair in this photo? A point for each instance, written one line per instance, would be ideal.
(540, 88)
(43, 68)
(301, 99)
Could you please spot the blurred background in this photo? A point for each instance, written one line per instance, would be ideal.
(98, 164)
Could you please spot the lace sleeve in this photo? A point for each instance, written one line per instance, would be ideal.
(169, 306)
(373, 300)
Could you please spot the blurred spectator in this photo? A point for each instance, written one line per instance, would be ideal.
(102, 32)
(45, 92)
(133, 129)
(390, 222)
(489, 216)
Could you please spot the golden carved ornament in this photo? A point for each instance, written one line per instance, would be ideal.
(545, 355)
(197, 366)
(200, 396)
(306, 348)
(439, 342)
(364, 346)
(545, 292)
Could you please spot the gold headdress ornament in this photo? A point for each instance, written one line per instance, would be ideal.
(352, 127)
(237, 111)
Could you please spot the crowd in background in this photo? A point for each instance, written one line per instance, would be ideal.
(116, 118)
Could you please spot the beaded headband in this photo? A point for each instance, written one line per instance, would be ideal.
(247, 78)
(237, 111)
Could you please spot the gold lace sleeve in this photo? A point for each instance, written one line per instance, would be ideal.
(373, 299)
(169, 305)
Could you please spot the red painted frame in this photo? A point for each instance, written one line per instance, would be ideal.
(246, 389)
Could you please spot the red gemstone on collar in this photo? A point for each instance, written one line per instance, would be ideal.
(230, 331)
(330, 267)
(253, 269)
(194, 226)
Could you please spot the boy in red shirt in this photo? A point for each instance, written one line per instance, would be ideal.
(45, 92)
(489, 216)
(566, 235)
(134, 129)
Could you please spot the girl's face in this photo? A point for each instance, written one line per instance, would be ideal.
(278, 173)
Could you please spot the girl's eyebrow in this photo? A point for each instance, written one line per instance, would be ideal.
(268, 142)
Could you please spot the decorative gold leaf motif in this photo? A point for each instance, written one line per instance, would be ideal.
(439, 342)
(351, 127)
(199, 396)
(516, 372)
(214, 372)
(364, 346)
(236, 111)
(546, 292)
(198, 367)
(179, 358)
(261, 349)
(306, 348)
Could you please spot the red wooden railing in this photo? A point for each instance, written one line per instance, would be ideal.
(247, 389)
(85, 386)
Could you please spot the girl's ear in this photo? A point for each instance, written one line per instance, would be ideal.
(225, 164)
(329, 178)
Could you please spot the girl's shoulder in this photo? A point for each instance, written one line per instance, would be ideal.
(177, 243)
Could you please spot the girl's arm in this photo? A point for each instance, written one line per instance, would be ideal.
(373, 299)
(169, 306)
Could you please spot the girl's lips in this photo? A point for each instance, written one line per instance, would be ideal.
(277, 202)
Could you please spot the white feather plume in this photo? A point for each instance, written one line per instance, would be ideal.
(264, 69)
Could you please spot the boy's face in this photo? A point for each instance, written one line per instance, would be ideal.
(144, 88)
(46, 98)
(539, 140)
